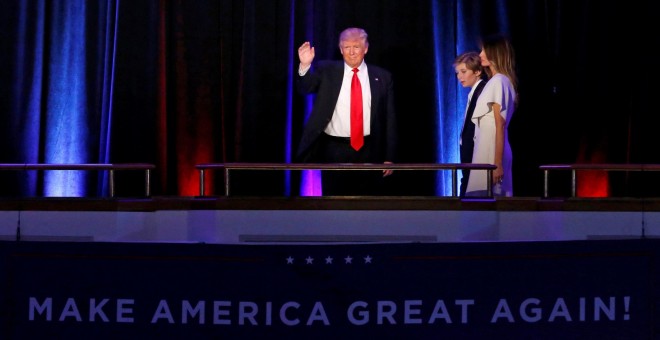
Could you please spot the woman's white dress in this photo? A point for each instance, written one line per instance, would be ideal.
(498, 90)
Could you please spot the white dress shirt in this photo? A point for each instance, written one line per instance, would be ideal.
(340, 125)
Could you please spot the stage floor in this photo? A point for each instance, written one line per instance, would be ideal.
(231, 220)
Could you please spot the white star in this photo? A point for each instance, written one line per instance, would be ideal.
(309, 260)
(367, 259)
(348, 259)
(289, 260)
(328, 260)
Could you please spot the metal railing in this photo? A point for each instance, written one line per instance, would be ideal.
(453, 167)
(110, 168)
(574, 168)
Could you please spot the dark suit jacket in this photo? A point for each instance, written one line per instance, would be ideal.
(325, 81)
(467, 135)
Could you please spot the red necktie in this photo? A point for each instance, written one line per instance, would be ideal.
(357, 130)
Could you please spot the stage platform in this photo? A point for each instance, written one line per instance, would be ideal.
(273, 220)
(327, 268)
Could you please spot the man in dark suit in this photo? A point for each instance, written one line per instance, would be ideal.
(326, 137)
(471, 74)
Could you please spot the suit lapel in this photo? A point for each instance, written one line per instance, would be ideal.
(375, 82)
(473, 100)
(337, 78)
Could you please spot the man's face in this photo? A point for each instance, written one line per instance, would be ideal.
(353, 51)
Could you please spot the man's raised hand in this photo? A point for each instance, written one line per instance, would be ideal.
(305, 54)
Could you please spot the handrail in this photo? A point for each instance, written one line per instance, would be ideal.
(584, 166)
(111, 168)
(344, 166)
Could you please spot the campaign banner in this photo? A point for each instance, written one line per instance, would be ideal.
(527, 290)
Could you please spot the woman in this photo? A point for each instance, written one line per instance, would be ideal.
(495, 107)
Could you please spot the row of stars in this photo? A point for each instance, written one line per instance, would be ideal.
(329, 260)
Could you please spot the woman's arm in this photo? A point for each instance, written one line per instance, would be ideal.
(499, 143)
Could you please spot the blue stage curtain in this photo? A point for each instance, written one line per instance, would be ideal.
(57, 91)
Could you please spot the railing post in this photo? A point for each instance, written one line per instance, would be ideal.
(454, 180)
(545, 183)
(111, 182)
(201, 182)
(573, 183)
(226, 181)
(147, 183)
(489, 183)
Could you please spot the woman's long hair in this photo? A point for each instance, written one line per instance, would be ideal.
(502, 57)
